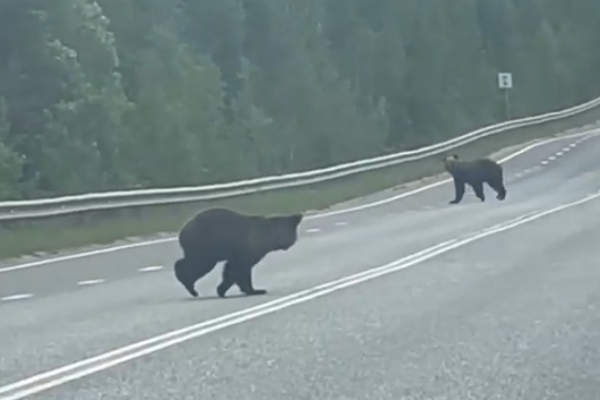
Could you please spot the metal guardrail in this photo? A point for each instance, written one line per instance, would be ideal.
(16, 210)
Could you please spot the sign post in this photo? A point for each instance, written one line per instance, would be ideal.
(505, 83)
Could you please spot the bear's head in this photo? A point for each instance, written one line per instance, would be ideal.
(283, 231)
(450, 160)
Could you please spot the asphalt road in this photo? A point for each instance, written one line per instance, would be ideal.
(507, 317)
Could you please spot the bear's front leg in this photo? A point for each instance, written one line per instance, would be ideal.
(244, 282)
(459, 191)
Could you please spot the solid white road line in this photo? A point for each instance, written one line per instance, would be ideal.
(59, 376)
(151, 268)
(15, 297)
(90, 282)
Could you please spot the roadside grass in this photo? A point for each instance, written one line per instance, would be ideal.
(41, 237)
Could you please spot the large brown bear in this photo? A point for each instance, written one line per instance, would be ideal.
(220, 234)
(475, 173)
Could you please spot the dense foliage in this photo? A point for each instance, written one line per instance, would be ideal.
(105, 94)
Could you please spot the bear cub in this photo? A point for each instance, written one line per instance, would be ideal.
(475, 173)
(220, 234)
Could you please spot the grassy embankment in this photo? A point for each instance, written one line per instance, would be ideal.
(51, 234)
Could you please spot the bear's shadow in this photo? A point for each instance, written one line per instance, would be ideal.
(229, 297)
(214, 297)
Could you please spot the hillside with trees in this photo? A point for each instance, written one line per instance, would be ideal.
(114, 94)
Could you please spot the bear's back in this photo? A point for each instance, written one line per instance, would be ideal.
(485, 167)
(474, 169)
(218, 231)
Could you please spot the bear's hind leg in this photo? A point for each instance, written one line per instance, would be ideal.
(189, 271)
(501, 193)
(184, 276)
(499, 188)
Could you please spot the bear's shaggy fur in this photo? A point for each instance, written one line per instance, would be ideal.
(220, 234)
(475, 173)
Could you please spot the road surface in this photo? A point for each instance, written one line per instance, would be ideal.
(510, 316)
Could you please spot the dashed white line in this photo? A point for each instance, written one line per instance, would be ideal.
(341, 223)
(15, 297)
(563, 151)
(151, 268)
(319, 215)
(312, 230)
(90, 282)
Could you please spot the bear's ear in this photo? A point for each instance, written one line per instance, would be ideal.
(450, 158)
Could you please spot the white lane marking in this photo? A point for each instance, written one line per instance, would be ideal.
(551, 158)
(558, 154)
(90, 282)
(151, 268)
(341, 223)
(566, 149)
(15, 297)
(59, 376)
(573, 145)
(309, 217)
(545, 162)
(312, 230)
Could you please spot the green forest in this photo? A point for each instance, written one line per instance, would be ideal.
(114, 94)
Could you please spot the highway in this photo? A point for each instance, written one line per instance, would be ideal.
(512, 315)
